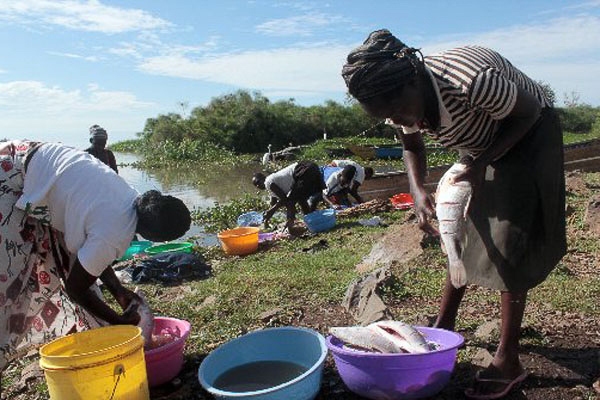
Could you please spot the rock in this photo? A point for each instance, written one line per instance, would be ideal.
(596, 385)
(401, 243)
(31, 372)
(592, 215)
(362, 298)
(482, 358)
(488, 331)
(267, 315)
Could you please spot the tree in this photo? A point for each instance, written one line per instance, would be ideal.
(548, 91)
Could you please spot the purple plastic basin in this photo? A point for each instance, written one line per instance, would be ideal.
(398, 376)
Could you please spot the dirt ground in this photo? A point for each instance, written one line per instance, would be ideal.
(566, 366)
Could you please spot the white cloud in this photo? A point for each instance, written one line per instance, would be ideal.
(92, 16)
(562, 52)
(292, 70)
(35, 110)
(33, 98)
(556, 39)
(74, 56)
(301, 25)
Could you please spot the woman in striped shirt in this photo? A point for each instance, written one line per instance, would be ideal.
(475, 101)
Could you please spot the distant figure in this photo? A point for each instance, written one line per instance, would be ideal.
(292, 185)
(98, 139)
(362, 174)
(267, 157)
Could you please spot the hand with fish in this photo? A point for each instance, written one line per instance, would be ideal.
(424, 210)
(473, 172)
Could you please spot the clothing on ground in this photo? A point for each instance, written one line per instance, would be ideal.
(169, 268)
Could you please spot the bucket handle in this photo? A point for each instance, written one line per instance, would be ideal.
(118, 371)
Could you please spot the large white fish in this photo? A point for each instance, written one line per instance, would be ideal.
(383, 336)
(365, 337)
(452, 203)
(403, 335)
(145, 313)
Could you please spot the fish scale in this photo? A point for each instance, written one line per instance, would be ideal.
(452, 204)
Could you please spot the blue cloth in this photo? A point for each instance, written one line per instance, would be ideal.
(328, 170)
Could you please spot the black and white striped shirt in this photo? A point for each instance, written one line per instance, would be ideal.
(477, 88)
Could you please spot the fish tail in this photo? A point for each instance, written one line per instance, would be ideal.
(458, 273)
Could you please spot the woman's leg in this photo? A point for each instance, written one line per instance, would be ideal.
(449, 306)
(506, 359)
(505, 371)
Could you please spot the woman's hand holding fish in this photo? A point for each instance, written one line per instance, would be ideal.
(125, 296)
(131, 316)
(425, 209)
(474, 173)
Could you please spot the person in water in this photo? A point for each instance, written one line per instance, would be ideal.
(98, 139)
(474, 100)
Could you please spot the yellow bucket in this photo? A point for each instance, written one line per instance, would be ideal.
(105, 363)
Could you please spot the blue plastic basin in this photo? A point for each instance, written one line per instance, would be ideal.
(302, 346)
(320, 220)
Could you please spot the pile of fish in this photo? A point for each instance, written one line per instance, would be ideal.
(162, 338)
(452, 203)
(384, 337)
(372, 206)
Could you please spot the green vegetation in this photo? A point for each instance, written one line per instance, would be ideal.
(224, 216)
(244, 123)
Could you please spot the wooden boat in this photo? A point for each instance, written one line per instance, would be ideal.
(373, 152)
(584, 156)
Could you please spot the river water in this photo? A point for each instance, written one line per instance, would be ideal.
(198, 187)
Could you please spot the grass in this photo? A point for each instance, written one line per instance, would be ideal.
(304, 276)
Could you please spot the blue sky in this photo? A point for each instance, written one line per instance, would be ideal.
(65, 65)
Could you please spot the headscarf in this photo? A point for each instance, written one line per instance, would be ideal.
(97, 132)
(382, 63)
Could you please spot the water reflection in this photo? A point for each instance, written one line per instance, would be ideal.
(199, 187)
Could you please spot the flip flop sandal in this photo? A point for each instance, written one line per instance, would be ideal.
(509, 385)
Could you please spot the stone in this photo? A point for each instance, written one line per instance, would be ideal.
(489, 330)
(362, 298)
(482, 358)
(401, 243)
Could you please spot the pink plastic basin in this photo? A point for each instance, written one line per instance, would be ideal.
(165, 362)
(398, 376)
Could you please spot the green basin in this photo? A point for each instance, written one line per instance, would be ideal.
(186, 247)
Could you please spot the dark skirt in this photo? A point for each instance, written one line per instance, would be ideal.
(308, 181)
(516, 228)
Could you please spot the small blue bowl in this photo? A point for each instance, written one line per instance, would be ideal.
(320, 220)
(301, 346)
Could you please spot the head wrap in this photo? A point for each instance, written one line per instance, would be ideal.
(97, 132)
(382, 63)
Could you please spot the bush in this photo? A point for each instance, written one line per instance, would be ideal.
(578, 119)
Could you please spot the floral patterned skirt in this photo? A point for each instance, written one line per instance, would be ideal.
(33, 307)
